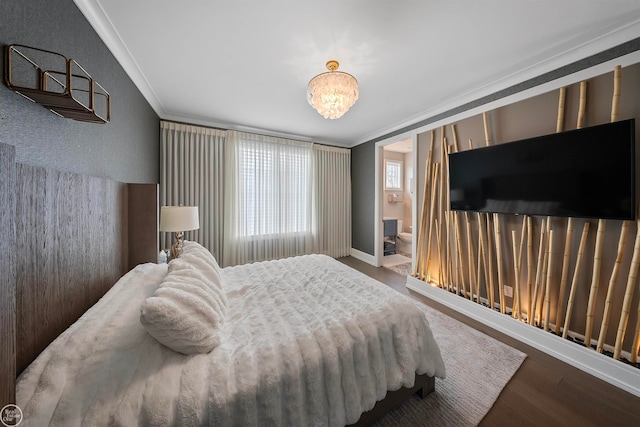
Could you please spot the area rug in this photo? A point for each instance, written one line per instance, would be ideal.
(478, 368)
(404, 269)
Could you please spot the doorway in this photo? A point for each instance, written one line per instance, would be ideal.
(396, 203)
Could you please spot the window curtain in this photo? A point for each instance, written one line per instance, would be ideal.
(192, 173)
(259, 197)
(332, 191)
(269, 198)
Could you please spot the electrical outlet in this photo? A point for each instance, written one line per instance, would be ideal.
(508, 291)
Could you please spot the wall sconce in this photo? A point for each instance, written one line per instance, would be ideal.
(178, 219)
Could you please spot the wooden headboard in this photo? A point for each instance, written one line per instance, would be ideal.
(69, 243)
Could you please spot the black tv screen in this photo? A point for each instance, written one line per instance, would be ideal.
(583, 173)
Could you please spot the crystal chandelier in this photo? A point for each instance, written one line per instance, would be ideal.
(332, 93)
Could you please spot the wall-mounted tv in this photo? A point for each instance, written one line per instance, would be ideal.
(583, 173)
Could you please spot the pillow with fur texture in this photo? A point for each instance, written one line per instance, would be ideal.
(186, 312)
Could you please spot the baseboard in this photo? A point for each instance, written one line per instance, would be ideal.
(585, 359)
(365, 257)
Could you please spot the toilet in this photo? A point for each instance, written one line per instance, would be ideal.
(404, 239)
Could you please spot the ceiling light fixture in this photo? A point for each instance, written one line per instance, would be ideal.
(332, 93)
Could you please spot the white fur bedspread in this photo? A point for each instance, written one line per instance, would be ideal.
(307, 342)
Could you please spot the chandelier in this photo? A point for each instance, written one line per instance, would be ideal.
(332, 93)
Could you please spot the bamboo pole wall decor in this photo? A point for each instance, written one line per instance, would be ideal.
(632, 280)
(565, 273)
(539, 257)
(614, 276)
(422, 264)
(635, 347)
(574, 282)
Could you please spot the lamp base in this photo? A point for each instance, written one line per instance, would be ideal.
(176, 248)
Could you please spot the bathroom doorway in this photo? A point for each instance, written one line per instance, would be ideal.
(396, 205)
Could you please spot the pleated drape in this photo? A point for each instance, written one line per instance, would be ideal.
(259, 197)
(332, 194)
(192, 173)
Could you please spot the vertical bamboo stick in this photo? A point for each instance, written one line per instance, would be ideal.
(457, 231)
(529, 267)
(486, 129)
(543, 277)
(458, 234)
(449, 249)
(441, 220)
(536, 286)
(489, 253)
(628, 294)
(582, 104)
(498, 231)
(547, 293)
(574, 282)
(518, 295)
(561, 101)
(439, 245)
(615, 100)
(432, 202)
(444, 222)
(565, 274)
(456, 148)
(425, 219)
(482, 251)
(422, 233)
(492, 295)
(595, 281)
(612, 281)
(516, 272)
(635, 347)
(470, 259)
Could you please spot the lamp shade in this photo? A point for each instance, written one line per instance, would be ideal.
(179, 218)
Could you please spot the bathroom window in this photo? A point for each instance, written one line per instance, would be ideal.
(393, 175)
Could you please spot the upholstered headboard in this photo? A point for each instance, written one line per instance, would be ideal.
(68, 244)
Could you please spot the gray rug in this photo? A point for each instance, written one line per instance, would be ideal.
(478, 368)
(404, 269)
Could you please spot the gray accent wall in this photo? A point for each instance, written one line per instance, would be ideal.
(363, 196)
(126, 149)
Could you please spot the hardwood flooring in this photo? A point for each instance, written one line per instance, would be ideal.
(545, 391)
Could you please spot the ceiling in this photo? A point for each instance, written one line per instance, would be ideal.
(245, 65)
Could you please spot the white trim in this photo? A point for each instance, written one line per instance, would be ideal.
(98, 19)
(365, 257)
(613, 38)
(590, 361)
(378, 251)
(589, 73)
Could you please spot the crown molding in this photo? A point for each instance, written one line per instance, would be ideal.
(95, 14)
(615, 36)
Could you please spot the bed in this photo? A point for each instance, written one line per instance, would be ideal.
(299, 341)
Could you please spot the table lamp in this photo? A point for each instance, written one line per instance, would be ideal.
(178, 219)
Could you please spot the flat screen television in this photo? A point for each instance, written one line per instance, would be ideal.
(583, 173)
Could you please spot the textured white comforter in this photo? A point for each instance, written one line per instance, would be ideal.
(307, 341)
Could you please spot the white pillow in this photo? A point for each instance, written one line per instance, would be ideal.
(190, 248)
(185, 313)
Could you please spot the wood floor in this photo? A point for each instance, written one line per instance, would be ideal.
(544, 391)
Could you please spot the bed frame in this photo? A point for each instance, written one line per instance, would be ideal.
(68, 238)
(423, 385)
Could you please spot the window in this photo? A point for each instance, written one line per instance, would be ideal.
(393, 175)
(274, 196)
